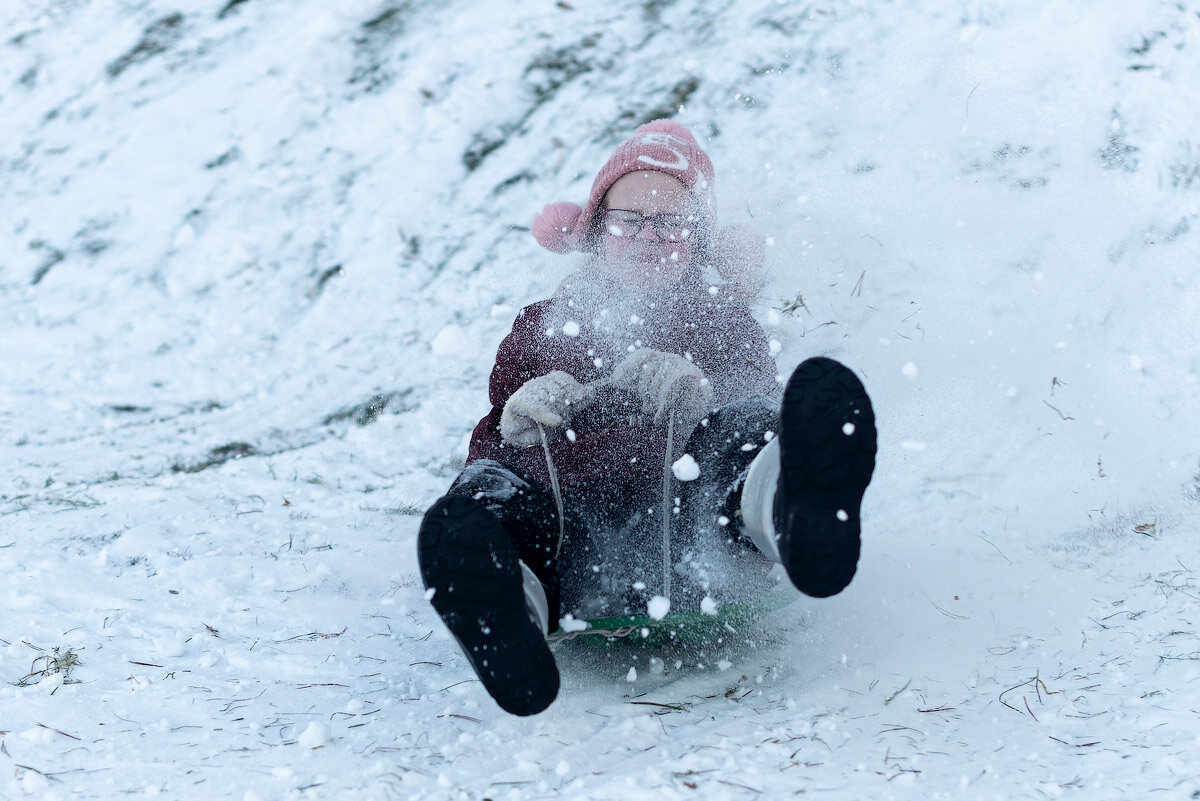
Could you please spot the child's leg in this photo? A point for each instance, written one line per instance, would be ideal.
(724, 445)
(795, 495)
(715, 555)
(487, 554)
(526, 510)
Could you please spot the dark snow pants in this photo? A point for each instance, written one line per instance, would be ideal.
(610, 560)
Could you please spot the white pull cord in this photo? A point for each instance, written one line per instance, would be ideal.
(558, 501)
(666, 523)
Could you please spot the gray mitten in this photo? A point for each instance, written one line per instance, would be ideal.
(550, 400)
(665, 382)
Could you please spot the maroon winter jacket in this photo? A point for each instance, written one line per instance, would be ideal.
(711, 326)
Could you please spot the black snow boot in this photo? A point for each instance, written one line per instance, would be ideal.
(827, 446)
(469, 562)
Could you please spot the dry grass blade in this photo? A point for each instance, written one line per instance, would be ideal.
(57, 662)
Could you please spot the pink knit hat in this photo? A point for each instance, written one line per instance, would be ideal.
(661, 146)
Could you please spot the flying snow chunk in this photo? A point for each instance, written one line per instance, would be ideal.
(910, 371)
(776, 347)
(316, 735)
(39, 735)
(571, 328)
(33, 783)
(848, 429)
(171, 645)
(453, 342)
(569, 624)
(658, 607)
(708, 606)
(631, 676)
(185, 236)
(685, 468)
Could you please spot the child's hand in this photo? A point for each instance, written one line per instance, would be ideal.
(665, 382)
(549, 400)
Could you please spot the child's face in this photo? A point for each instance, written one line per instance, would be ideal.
(647, 228)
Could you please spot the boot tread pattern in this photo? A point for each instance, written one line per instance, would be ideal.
(468, 560)
(827, 454)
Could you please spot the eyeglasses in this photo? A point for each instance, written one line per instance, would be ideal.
(623, 224)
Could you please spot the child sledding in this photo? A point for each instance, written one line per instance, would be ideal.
(572, 506)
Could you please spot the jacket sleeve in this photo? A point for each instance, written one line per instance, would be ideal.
(516, 363)
(609, 452)
(516, 358)
(619, 457)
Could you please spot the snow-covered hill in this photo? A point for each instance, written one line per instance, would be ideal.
(255, 258)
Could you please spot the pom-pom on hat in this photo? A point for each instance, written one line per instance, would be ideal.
(661, 146)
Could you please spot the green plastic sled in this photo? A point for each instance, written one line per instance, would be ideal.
(687, 627)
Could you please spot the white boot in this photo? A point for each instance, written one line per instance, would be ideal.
(535, 598)
(758, 500)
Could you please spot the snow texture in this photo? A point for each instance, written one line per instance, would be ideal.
(245, 247)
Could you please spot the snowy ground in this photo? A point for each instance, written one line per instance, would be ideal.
(256, 255)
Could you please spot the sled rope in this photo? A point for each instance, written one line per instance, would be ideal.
(666, 522)
(558, 501)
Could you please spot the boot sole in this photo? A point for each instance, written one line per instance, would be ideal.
(824, 472)
(467, 559)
